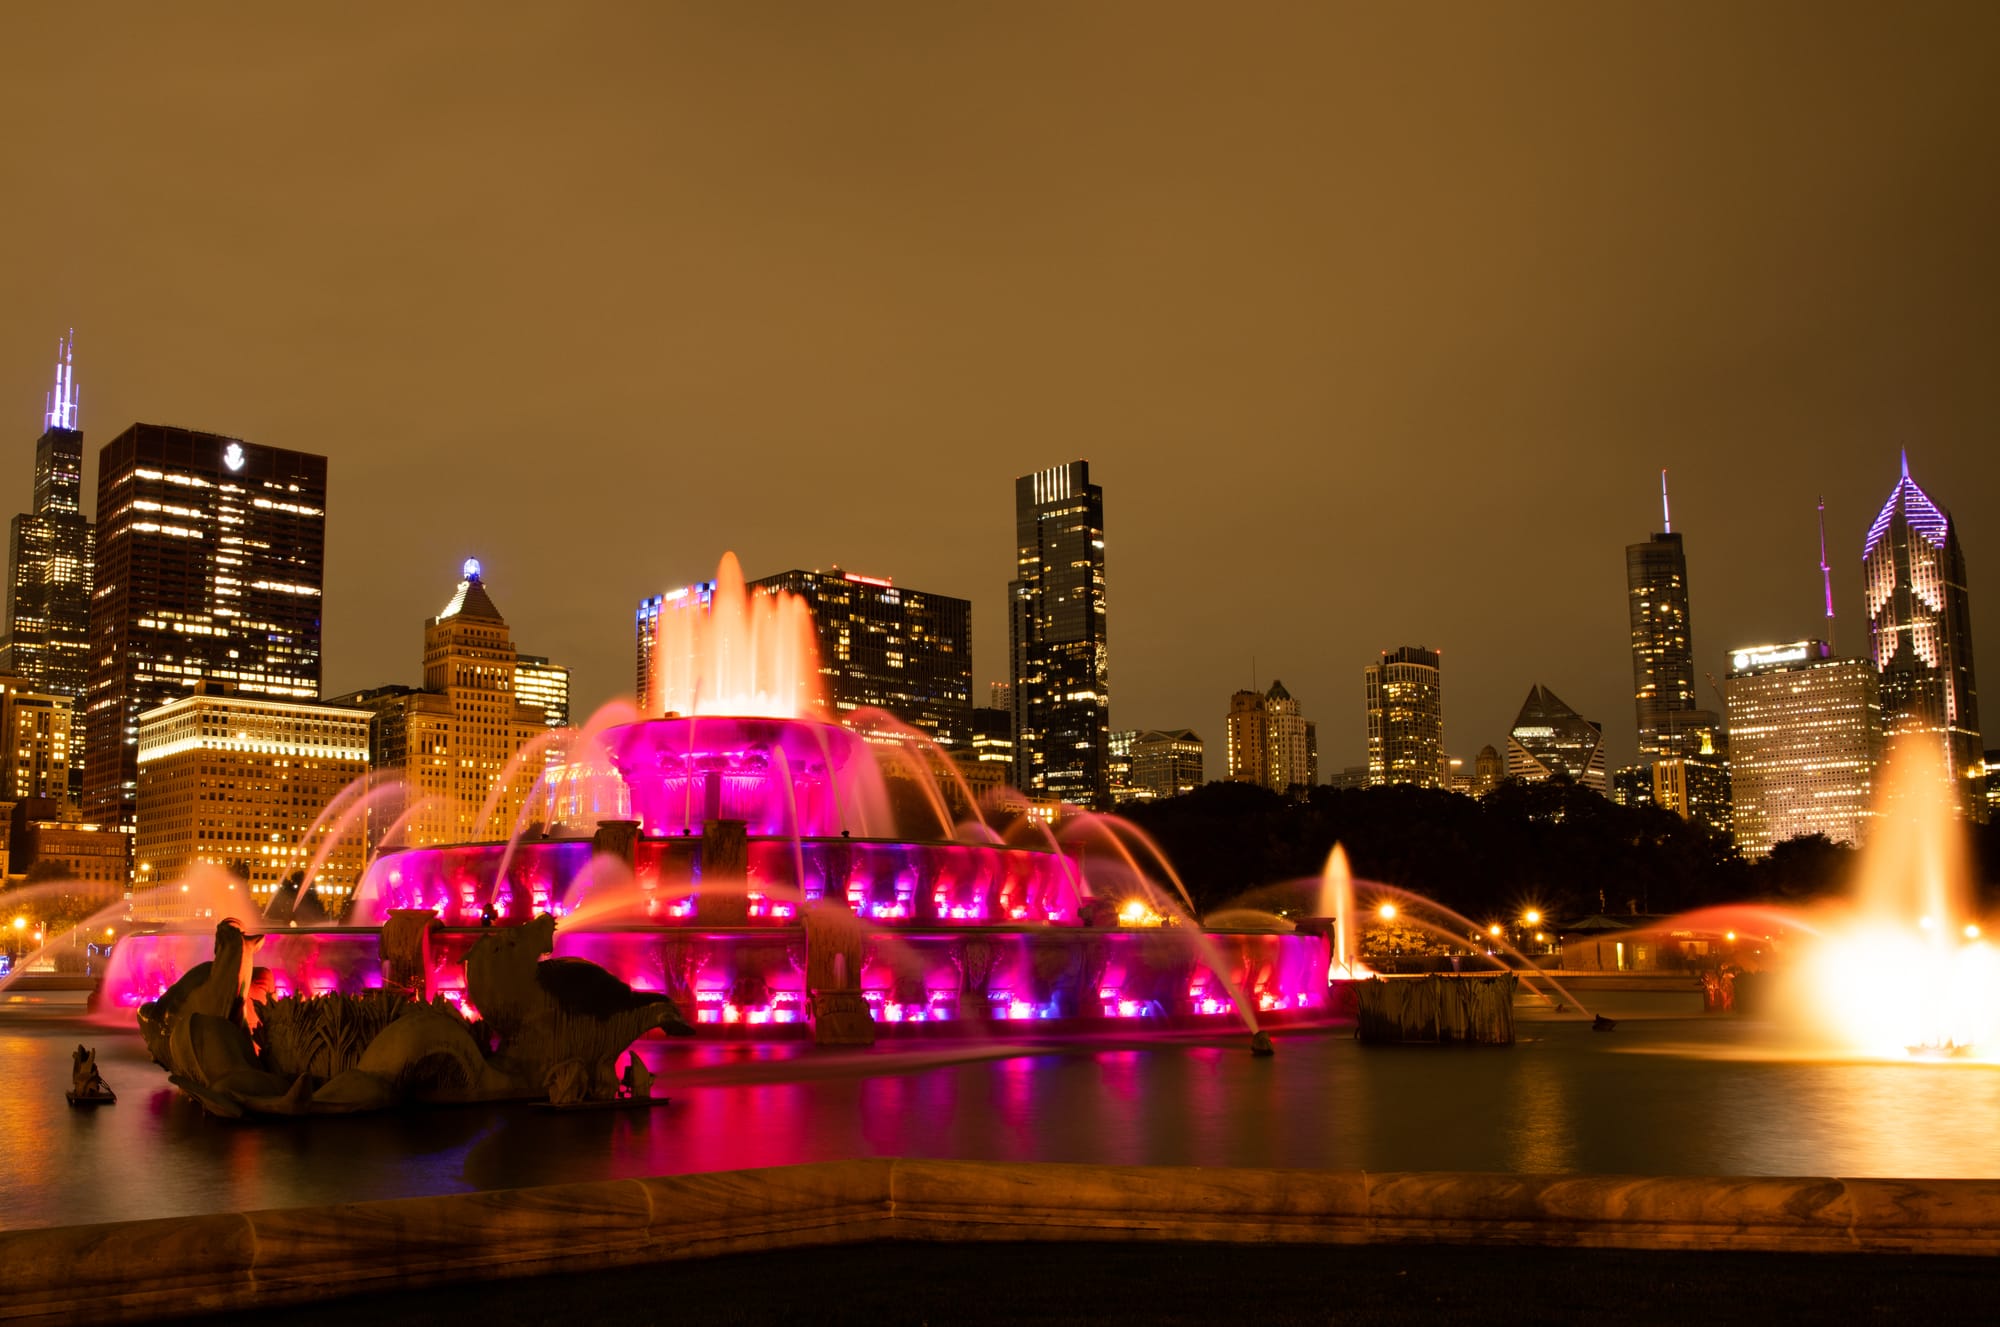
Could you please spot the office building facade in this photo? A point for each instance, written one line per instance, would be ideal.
(1549, 739)
(543, 686)
(1920, 634)
(1405, 696)
(210, 567)
(1057, 638)
(36, 743)
(1271, 743)
(238, 783)
(883, 646)
(1806, 739)
(1166, 763)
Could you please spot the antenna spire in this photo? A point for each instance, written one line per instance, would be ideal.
(1906, 462)
(62, 401)
(1666, 512)
(1826, 572)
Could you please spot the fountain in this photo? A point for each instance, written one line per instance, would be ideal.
(739, 852)
(1904, 969)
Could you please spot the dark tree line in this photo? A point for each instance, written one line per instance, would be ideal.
(1552, 845)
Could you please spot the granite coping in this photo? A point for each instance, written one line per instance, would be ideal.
(137, 1270)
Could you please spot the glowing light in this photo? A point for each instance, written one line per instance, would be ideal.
(1494, 929)
(1532, 917)
(1729, 935)
(1387, 912)
(471, 569)
(1136, 912)
(232, 456)
(1972, 930)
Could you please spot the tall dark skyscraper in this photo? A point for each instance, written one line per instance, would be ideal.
(1061, 668)
(1920, 632)
(51, 550)
(1671, 720)
(210, 567)
(892, 648)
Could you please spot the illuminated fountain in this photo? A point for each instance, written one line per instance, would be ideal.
(1905, 969)
(773, 871)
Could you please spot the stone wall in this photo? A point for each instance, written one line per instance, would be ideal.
(131, 1271)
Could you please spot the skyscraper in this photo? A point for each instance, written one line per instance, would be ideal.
(1056, 634)
(1549, 739)
(1671, 720)
(1920, 633)
(1406, 718)
(1166, 763)
(888, 647)
(1270, 742)
(51, 550)
(1805, 741)
(453, 741)
(210, 566)
(544, 687)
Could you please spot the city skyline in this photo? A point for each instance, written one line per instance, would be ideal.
(1579, 344)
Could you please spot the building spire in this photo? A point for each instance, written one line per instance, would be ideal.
(62, 401)
(1825, 573)
(1666, 512)
(1906, 462)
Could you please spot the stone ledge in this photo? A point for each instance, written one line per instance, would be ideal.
(130, 1271)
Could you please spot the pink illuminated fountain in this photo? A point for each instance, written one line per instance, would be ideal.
(741, 852)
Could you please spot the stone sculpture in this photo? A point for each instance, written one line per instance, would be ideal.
(551, 1029)
(87, 1086)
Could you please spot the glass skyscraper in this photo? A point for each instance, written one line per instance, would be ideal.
(1672, 722)
(210, 562)
(1406, 718)
(1549, 739)
(1920, 633)
(51, 554)
(1806, 737)
(1056, 631)
(884, 646)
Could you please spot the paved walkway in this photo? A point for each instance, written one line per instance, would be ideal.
(885, 1285)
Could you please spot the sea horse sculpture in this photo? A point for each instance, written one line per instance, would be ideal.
(551, 1029)
(559, 1023)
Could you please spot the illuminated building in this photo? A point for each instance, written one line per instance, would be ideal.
(1695, 787)
(988, 761)
(238, 783)
(1166, 763)
(1406, 718)
(1805, 741)
(1119, 764)
(1270, 743)
(646, 630)
(1487, 771)
(35, 743)
(1992, 783)
(1632, 785)
(452, 740)
(51, 552)
(1056, 636)
(544, 687)
(1671, 720)
(1549, 739)
(44, 832)
(883, 646)
(1920, 633)
(210, 559)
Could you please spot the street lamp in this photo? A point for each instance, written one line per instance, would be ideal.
(1531, 917)
(1387, 912)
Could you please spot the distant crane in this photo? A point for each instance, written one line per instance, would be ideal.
(1717, 688)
